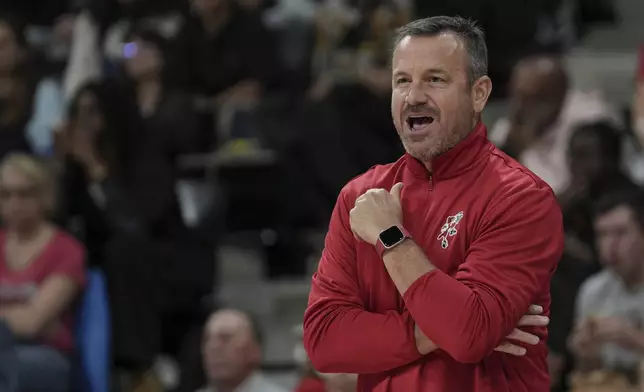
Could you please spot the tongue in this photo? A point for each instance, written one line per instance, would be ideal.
(420, 123)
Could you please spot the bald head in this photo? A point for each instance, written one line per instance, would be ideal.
(234, 320)
(231, 346)
(538, 90)
(541, 71)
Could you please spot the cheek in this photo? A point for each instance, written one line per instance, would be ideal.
(397, 103)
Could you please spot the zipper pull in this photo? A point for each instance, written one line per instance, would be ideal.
(431, 182)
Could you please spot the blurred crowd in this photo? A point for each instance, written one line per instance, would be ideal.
(136, 135)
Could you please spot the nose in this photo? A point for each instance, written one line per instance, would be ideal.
(416, 95)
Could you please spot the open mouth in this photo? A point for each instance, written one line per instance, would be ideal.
(418, 122)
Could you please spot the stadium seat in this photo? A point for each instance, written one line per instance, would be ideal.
(93, 336)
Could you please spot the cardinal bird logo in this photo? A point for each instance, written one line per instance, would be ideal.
(449, 229)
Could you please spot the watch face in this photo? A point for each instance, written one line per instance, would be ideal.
(391, 236)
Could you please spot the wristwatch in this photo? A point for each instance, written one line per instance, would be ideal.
(390, 238)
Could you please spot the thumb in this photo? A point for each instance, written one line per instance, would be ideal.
(395, 191)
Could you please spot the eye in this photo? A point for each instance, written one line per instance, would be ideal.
(436, 79)
(400, 81)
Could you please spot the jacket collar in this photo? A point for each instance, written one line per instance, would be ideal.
(455, 161)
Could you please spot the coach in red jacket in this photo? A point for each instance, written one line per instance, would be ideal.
(430, 262)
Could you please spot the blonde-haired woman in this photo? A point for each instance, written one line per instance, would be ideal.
(42, 271)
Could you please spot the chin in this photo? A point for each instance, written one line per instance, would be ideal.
(424, 150)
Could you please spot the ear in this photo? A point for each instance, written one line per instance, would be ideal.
(481, 90)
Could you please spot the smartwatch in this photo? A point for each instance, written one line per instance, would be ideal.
(390, 238)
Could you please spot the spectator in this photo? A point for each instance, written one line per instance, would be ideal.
(226, 56)
(98, 208)
(544, 112)
(232, 354)
(226, 52)
(16, 88)
(41, 273)
(594, 156)
(167, 126)
(609, 314)
(30, 106)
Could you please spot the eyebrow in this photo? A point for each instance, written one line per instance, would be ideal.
(429, 71)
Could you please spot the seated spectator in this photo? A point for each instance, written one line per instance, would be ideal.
(41, 274)
(16, 88)
(30, 100)
(544, 113)
(227, 56)
(98, 207)
(608, 335)
(232, 354)
(594, 156)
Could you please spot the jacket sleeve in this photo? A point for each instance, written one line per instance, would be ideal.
(507, 266)
(340, 336)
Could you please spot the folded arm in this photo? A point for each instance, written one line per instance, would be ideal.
(54, 296)
(507, 265)
(340, 336)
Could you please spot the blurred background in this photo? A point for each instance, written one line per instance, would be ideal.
(196, 149)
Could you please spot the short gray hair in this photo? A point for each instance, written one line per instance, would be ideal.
(466, 29)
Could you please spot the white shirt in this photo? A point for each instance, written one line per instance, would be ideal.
(547, 157)
(254, 383)
(605, 295)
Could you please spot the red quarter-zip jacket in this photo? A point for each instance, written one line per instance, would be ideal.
(493, 230)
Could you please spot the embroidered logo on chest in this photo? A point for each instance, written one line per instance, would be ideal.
(449, 229)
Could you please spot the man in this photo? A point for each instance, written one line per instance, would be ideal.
(594, 162)
(544, 111)
(431, 261)
(610, 305)
(232, 354)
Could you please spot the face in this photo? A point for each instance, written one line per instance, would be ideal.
(620, 241)
(433, 103)
(534, 93)
(9, 49)
(22, 200)
(229, 348)
(587, 158)
(208, 7)
(88, 115)
(143, 59)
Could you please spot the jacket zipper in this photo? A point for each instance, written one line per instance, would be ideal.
(431, 183)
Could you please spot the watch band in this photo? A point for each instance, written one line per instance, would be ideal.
(381, 248)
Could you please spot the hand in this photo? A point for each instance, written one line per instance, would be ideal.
(532, 319)
(81, 145)
(614, 330)
(61, 141)
(526, 126)
(582, 340)
(82, 148)
(374, 211)
(244, 92)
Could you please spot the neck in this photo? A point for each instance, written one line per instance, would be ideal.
(148, 92)
(229, 385)
(26, 231)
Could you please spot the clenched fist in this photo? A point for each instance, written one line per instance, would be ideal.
(376, 210)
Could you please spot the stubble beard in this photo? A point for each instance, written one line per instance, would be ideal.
(434, 145)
